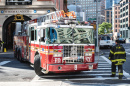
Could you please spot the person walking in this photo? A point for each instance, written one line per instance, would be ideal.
(1, 42)
(118, 57)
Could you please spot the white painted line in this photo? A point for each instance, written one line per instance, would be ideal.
(4, 62)
(106, 59)
(35, 78)
(97, 71)
(127, 53)
(127, 75)
(104, 68)
(102, 62)
(79, 79)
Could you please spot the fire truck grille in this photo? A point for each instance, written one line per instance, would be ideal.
(73, 54)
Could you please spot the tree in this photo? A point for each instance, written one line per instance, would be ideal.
(103, 26)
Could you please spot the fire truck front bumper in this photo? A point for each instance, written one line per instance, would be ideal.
(60, 68)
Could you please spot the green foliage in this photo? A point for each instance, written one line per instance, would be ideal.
(103, 26)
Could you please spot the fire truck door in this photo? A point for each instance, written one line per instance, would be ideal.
(42, 46)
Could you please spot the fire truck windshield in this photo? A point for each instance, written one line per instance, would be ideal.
(69, 36)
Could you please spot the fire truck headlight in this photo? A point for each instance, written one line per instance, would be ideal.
(90, 54)
(57, 55)
(86, 54)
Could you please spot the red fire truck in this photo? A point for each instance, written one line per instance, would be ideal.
(55, 42)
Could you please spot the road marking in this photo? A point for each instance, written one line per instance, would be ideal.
(4, 62)
(103, 62)
(127, 75)
(104, 68)
(35, 78)
(127, 53)
(79, 79)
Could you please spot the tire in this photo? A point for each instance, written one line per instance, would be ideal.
(37, 64)
(20, 57)
(15, 53)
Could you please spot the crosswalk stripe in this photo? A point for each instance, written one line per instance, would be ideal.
(4, 62)
(97, 71)
(103, 68)
(79, 79)
(103, 62)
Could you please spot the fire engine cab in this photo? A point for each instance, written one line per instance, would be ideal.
(55, 42)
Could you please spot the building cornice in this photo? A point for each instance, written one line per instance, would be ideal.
(28, 6)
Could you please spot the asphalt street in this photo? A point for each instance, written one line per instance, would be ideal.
(15, 73)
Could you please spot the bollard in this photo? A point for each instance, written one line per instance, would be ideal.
(4, 49)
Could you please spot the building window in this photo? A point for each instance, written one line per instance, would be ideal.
(108, 20)
(126, 33)
(123, 33)
(126, 1)
(116, 12)
(126, 7)
(121, 10)
(126, 13)
(107, 13)
(115, 30)
(116, 21)
(123, 20)
(121, 5)
(18, 2)
(121, 15)
(126, 25)
(121, 26)
(116, 26)
(127, 19)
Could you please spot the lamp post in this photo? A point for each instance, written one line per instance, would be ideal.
(97, 47)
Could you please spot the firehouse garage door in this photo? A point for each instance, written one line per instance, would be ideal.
(8, 29)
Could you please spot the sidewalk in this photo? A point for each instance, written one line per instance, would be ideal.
(7, 55)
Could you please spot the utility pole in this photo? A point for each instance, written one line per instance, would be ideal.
(97, 47)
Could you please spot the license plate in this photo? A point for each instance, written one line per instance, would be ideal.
(90, 66)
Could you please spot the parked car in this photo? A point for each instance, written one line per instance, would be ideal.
(121, 40)
(105, 41)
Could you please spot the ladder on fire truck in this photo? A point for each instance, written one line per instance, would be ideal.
(53, 17)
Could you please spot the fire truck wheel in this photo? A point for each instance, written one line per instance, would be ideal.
(20, 57)
(15, 54)
(37, 67)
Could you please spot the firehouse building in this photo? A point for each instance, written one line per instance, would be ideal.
(12, 11)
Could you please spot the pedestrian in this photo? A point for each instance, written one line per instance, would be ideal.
(1, 42)
(118, 57)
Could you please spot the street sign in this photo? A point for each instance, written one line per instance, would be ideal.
(2, 11)
(35, 11)
(48, 11)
